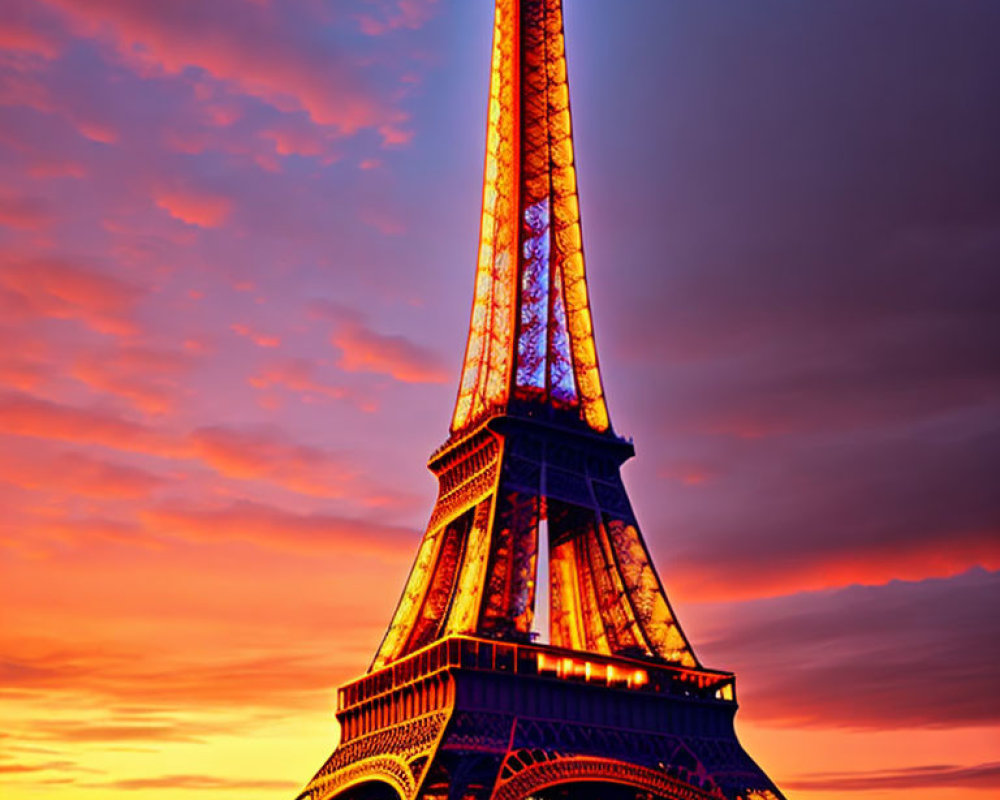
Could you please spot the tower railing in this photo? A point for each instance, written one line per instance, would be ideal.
(418, 684)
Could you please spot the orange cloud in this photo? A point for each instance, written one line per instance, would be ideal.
(734, 579)
(45, 766)
(60, 290)
(23, 415)
(194, 207)
(146, 378)
(73, 472)
(21, 373)
(951, 776)
(275, 529)
(148, 674)
(264, 454)
(198, 783)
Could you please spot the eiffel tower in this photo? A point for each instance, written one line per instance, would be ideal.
(461, 702)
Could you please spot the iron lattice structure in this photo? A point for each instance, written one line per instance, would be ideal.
(459, 703)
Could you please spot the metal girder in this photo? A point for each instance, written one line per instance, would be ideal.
(475, 571)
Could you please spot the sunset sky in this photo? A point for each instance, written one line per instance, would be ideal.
(237, 243)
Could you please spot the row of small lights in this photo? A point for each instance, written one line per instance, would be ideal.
(609, 674)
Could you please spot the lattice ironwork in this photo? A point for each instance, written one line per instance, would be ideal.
(458, 704)
(385, 755)
(530, 335)
(544, 770)
(475, 572)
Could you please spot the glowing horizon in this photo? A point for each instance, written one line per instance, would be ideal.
(237, 244)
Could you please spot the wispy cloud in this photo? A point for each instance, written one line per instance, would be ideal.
(235, 42)
(195, 207)
(196, 783)
(275, 529)
(60, 289)
(25, 415)
(364, 349)
(979, 776)
(77, 473)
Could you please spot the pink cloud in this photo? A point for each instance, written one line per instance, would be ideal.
(17, 36)
(298, 140)
(258, 338)
(398, 14)
(689, 474)
(24, 33)
(24, 213)
(395, 136)
(383, 221)
(238, 46)
(223, 114)
(365, 350)
(99, 132)
(195, 207)
(61, 290)
(57, 168)
(299, 375)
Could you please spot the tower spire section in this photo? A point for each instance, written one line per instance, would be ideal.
(531, 339)
(530, 438)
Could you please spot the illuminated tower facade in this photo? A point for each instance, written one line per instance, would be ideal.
(460, 701)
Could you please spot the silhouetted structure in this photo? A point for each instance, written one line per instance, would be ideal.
(459, 702)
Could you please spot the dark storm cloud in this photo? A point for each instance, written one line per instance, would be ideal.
(811, 268)
(828, 206)
(894, 656)
(783, 515)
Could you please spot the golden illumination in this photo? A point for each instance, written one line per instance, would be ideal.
(530, 347)
(568, 668)
(530, 331)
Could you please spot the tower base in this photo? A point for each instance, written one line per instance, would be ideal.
(475, 719)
